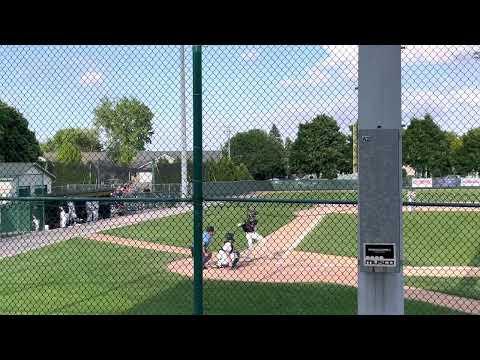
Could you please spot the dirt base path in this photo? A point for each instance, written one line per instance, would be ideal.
(139, 244)
(469, 306)
(274, 260)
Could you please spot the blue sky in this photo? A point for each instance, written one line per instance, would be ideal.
(244, 86)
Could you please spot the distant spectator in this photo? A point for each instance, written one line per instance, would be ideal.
(96, 208)
(63, 217)
(72, 214)
(411, 198)
(36, 224)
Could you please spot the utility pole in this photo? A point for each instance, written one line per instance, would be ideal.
(197, 182)
(228, 144)
(183, 186)
(380, 250)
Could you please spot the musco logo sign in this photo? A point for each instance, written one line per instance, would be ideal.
(379, 255)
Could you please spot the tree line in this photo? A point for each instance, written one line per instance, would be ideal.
(124, 128)
(433, 152)
(320, 148)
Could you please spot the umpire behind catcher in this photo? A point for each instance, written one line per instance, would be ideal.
(207, 240)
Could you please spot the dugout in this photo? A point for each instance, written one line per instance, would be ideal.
(22, 180)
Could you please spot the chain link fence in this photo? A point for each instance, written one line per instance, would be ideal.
(440, 113)
(97, 172)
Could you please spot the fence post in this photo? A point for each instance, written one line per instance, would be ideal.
(380, 250)
(183, 117)
(197, 182)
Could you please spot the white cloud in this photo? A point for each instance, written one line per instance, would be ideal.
(461, 97)
(338, 67)
(91, 78)
(429, 54)
(466, 96)
(340, 63)
(288, 114)
(454, 110)
(250, 55)
(345, 54)
(438, 54)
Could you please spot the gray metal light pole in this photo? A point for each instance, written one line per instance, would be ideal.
(380, 250)
(184, 191)
(228, 134)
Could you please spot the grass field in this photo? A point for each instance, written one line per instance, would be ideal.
(178, 230)
(346, 195)
(466, 287)
(430, 238)
(84, 277)
(81, 276)
(446, 195)
(422, 195)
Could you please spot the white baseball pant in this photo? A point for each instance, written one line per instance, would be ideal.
(251, 237)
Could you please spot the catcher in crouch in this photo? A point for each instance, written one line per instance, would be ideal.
(228, 256)
(250, 228)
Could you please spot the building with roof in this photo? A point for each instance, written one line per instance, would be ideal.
(105, 170)
(143, 157)
(24, 179)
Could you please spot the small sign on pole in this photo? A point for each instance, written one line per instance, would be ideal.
(379, 255)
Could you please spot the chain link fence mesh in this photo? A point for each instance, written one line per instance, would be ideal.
(96, 216)
(440, 113)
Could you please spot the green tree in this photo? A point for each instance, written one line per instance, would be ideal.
(68, 153)
(127, 126)
(320, 148)
(225, 169)
(242, 173)
(275, 133)
(455, 144)
(82, 139)
(469, 152)
(261, 153)
(349, 154)
(426, 147)
(17, 142)
(71, 173)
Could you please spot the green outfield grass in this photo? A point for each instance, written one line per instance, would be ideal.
(344, 195)
(465, 287)
(447, 195)
(178, 229)
(422, 195)
(430, 238)
(82, 276)
(85, 277)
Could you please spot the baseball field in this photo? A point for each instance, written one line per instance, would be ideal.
(306, 264)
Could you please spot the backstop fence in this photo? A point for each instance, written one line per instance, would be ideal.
(264, 218)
